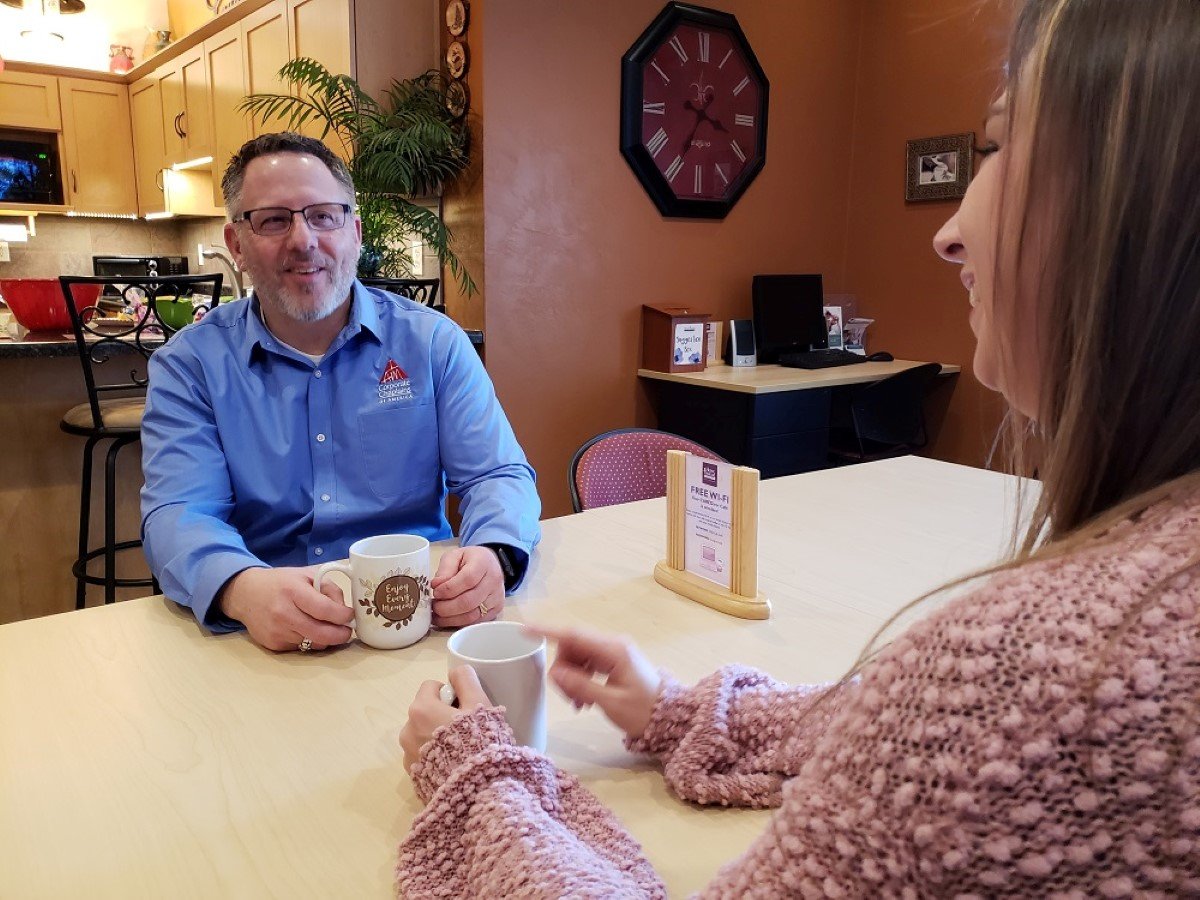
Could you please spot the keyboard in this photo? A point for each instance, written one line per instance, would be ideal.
(819, 359)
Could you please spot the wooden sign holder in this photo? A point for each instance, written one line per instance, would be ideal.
(743, 599)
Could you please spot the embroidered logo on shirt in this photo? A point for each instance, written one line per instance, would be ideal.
(394, 384)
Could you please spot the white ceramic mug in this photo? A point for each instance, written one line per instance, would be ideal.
(511, 666)
(389, 588)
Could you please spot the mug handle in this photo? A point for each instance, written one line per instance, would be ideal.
(325, 569)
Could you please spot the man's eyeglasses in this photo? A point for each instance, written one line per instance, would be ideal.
(272, 221)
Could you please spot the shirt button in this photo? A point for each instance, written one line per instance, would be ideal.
(325, 497)
(318, 552)
(317, 373)
(320, 438)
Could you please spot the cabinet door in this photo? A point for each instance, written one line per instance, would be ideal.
(170, 85)
(29, 101)
(149, 151)
(97, 135)
(196, 122)
(265, 45)
(320, 30)
(227, 87)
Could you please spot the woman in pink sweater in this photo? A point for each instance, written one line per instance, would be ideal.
(1035, 738)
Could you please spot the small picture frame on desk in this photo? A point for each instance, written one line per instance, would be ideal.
(833, 328)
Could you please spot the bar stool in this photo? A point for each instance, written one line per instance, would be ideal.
(161, 306)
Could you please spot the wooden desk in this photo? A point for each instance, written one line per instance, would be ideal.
(773, 418)
(141, 757)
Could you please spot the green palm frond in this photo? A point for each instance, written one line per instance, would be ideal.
(407, 145)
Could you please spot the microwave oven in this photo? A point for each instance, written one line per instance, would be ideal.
(29, 168)
(139, 266)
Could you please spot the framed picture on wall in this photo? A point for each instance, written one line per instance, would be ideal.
(939, 168)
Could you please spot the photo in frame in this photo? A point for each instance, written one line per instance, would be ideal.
(939, 168)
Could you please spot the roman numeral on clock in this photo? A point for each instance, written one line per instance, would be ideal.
(677, 46)
(741, 85)
(658, 109)
(725, 59)
(665, 79)
(737, 151)
(704, 46)
(698, 180)
(657, 142)
(673, 168)
(720, 170)
(741, 120)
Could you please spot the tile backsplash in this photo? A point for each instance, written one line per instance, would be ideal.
(65, 245)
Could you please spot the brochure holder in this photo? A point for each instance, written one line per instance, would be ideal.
(721, 525)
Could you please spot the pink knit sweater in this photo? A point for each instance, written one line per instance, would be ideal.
(1028, 740)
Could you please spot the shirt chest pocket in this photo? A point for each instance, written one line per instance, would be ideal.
(400, 451)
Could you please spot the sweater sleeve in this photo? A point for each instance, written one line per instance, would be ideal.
(502, 821)
(735, 737)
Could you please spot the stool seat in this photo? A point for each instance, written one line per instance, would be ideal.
(123, 416)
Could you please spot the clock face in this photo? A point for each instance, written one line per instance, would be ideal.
(694, 106)
(700, 106)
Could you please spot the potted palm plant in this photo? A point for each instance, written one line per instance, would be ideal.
(409, 145)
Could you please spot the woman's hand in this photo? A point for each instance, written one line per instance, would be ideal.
(429, 713)
(608, 671)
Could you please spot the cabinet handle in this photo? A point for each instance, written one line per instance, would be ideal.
(182, 119)
(158, 179)
(176, 123)
(74, 183)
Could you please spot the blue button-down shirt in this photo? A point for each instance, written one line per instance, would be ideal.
(255, 455)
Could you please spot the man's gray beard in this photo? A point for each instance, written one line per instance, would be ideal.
(300, 312)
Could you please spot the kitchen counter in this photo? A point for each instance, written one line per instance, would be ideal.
(45, 344)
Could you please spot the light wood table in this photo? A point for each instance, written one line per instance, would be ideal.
(142, 757)
(772, 379)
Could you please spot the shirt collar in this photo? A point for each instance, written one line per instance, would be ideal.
(364, 318)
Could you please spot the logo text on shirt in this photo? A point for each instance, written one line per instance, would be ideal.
(394, 384)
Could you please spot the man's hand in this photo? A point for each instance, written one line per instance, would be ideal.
(280, 608)
(468, 581)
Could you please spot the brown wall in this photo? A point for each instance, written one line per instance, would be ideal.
(926, 67)
(574, 246)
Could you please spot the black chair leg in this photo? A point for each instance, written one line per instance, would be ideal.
(110, 521)
(85, 515)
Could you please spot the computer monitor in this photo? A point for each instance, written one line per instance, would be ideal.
(789, 315)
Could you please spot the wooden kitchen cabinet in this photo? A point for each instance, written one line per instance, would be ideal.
(29, 100)
(97, 139)
(186, 118)
(320, 30)
(265, 51)
(223, 54)
(149, 150)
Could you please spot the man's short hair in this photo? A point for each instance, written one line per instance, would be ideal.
(277, 142)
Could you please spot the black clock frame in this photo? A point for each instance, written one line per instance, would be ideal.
(636, 154)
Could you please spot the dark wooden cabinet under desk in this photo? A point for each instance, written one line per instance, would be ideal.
(768, 417)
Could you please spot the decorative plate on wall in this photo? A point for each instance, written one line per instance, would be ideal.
(693, 111)
(456, 59)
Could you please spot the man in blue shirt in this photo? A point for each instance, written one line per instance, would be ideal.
(281, 429)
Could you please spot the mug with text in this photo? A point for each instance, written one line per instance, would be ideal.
(511, 666)
(389, 587)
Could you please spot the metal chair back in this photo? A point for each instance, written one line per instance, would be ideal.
(419, 290)
(113, 349)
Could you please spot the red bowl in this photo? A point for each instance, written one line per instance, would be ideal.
(39, 305)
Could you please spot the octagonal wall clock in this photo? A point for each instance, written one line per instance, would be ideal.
(693, 111)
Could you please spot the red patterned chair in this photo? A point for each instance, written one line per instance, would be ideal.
(625, 465)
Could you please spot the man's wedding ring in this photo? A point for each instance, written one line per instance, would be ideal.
(484, 609)
(306, 645)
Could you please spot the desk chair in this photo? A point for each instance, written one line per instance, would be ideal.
(101, 339)
(886, 418)
(420, 290)
(625, 465)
